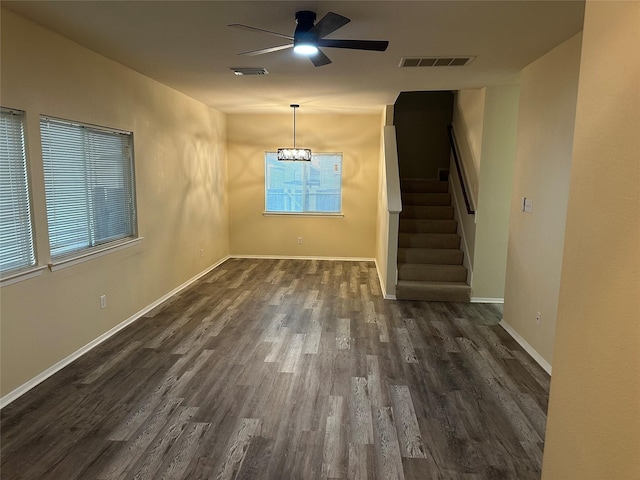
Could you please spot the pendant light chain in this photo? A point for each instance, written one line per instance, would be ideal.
(294, 123)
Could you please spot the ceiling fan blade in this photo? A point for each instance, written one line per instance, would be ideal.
(319, 59)
(329, 23)
(240, 25)
(377, 45)
(266, 50)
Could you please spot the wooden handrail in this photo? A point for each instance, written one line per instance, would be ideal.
(456, 159)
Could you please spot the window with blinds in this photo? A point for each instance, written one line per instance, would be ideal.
(89, 185)
(16, 235)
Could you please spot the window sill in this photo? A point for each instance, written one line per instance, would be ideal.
(64, 262)
(302, 214)
(22, 275)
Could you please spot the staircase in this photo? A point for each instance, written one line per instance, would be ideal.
(429, 256)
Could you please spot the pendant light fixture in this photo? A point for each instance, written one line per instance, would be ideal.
(294, 154)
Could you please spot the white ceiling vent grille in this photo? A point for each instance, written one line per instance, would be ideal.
(435, 61)
(240, 71)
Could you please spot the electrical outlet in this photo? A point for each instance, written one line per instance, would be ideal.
(103, 301)
(202, 252)
(299, 239)
(538, 318)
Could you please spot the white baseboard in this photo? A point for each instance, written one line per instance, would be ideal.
(528, 348)
(486, 300)
(41, 377)
(295, 257)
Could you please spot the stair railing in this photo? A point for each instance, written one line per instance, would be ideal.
(459, 169)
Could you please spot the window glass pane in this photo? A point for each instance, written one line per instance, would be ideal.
(304, 187)
(16, 237)
(89, 185)
(324, 183)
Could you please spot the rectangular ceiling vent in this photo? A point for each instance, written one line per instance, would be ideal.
(435, 61)
(240, 71)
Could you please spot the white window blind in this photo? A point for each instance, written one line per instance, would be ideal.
(89, 185)
(16, 237)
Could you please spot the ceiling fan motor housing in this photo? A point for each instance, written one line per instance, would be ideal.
(305, 21)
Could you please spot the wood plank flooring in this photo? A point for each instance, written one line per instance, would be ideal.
(288, 369)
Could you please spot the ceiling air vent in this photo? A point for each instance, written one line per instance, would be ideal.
(249, 71)
(435, 61)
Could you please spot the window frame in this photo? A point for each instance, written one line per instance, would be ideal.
(304, 164)
(101, 246)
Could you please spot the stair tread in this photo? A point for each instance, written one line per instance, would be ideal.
(431, 283)
(436, 220)
(430, 234)
(427, 212)
(432, 272)
(428, 198)
(427, 249)
(440, 256)
(431, 291)
(428, 240)
(431, 225)
(423, 186)
(434, 265)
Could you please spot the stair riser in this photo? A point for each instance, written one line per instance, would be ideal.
(417, 240)
(432, 273)
(428, 294)
(430, 256)
(427, 226)
(424, 186)
(440, 199)
(427, 212)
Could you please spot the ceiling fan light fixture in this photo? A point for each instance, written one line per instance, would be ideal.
(305, 49)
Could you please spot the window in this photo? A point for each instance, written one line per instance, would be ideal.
(88, 176)
(16, 236)
(304, 187)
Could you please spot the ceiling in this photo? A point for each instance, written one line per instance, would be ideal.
(188, 45)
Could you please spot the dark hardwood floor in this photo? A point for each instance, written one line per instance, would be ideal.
(288, 369)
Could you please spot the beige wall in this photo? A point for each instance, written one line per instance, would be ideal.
(252, 233)
(494, 197)
(470, 109)
(543, 162)
(593, 427)
(180, 162)
(468, 125)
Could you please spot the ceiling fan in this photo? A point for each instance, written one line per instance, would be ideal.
(309, 36)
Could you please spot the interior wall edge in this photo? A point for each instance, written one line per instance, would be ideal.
(528, 348)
